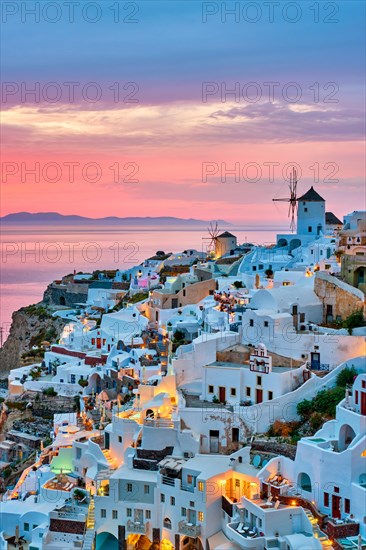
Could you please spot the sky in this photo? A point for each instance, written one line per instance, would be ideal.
(181, 108)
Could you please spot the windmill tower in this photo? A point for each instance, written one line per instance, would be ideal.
(292, 199)
(213, 231)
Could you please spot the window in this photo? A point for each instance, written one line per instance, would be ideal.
(356, 397)
(26, 527)
(201, 516)
(259, 380)
(265, 323)
(148, 514)
(162, 498)
(103, 513)
(251, 323)
(270, 395)
(310, 229)
(254, 268)
(146, 489)
(78, 453)
(167, 523)
(119, 439)
(326, 499)
(237, 482)
(129, 487)
(184, 512)
(129, 512)
(336, 489)
(233, 392)
(260, 266)
(114, 514)
(305, 209)
(172, 501)
(210, 389)
(248, 391)
(201, 486)
(363, 384)
(347, 506)
(189, 479)
(191, 503)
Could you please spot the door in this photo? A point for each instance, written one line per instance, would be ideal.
(315, 360)
(336, 506)
(363, 403)
(214, 441)
(259, 395)
(222, 394)
(99, 343)
(174, 303)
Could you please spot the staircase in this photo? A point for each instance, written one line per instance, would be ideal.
(88, 541)
(318, 534)
(111, 461)
(161, 348)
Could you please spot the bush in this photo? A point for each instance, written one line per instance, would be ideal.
(83, 383)
(50, 392)
(346, 376)
(354, 320)
(238, 284)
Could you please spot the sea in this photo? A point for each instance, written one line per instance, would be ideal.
(33, 256)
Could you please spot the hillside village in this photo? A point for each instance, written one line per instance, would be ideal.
(214, 400)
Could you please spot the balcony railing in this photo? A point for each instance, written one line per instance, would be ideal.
(188, 529)
(137, 526)
(189, 488)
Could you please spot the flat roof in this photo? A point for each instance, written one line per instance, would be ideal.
(228, 365)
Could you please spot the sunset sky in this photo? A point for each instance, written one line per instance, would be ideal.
(169, 133)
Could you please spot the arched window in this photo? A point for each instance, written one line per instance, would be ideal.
(167, 523)
(304, 482)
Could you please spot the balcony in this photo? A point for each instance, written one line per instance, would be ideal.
(137, 527)
(188, 529)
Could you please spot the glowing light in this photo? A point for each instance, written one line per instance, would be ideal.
(293, 503)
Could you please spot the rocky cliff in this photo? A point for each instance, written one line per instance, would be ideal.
(30, 326)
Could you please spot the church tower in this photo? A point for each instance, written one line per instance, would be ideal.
(310, 213)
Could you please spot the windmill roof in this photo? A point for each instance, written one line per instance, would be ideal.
(312, 196)
(331, 219)
(226, 234)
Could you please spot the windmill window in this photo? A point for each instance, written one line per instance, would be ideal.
(305, 209)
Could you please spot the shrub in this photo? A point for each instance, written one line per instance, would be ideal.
(346, 376)
(238, 284)
(83, 383)
(50, 392)
(354, 320)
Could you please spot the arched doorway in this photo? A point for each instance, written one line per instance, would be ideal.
(62, 301)
(149, 414)
(294, 243)
(346, 435)
(282, 242)
(304, 482)
(106, 541)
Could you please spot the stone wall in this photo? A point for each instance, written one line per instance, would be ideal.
(66, 295)
(67, 526)
(343, 298)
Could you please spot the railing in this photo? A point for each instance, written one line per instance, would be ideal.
(189, 488)
(168, 481)
(159, 422)
(137, 527)
(188, 529)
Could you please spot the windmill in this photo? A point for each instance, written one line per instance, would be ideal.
(213, 231)
(292, 199)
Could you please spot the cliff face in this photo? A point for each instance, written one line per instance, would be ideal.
(30, 326)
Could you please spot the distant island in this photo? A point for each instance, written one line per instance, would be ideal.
(26, 218)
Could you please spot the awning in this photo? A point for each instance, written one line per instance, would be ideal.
(219, 541)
